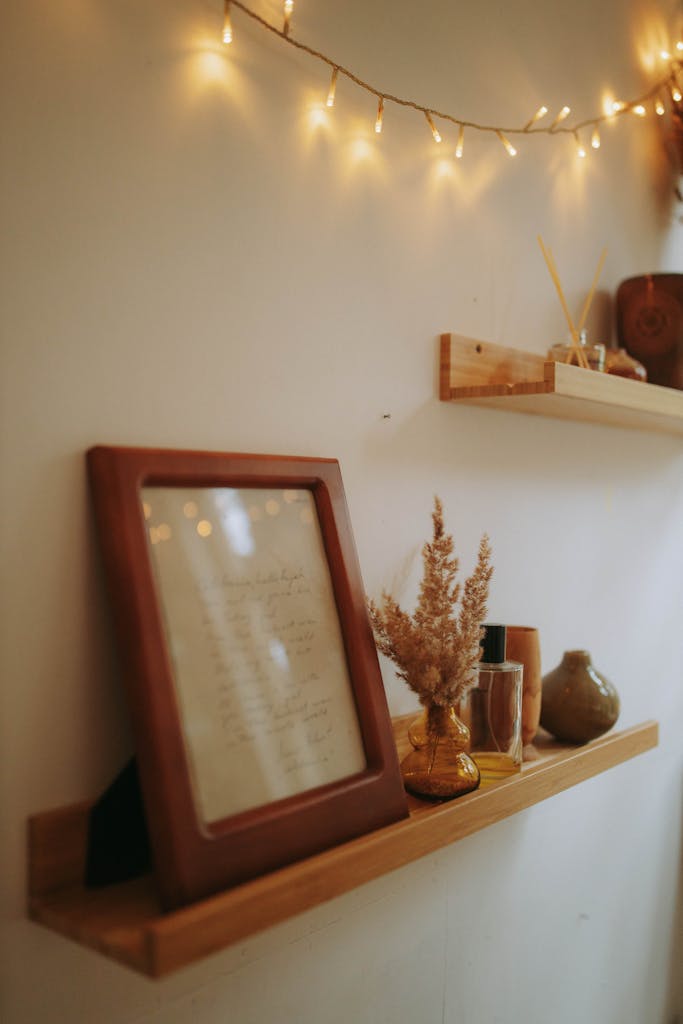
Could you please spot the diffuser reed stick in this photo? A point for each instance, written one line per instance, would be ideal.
(550, 263)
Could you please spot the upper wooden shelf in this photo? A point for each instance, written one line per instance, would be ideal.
(125, 922)
(481, 373)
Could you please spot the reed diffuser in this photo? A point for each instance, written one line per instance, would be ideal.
(587, 356)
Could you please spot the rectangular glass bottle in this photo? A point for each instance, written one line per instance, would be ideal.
(492, 711)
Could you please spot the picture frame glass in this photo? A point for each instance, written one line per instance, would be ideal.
(253, 638)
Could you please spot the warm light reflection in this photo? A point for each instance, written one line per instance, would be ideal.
(211, 66)
(460, 145)
(317, 117)
(190, 509)
(361, 151)
(273, 507)
(164, 531)
(204, 528)
(146, 510)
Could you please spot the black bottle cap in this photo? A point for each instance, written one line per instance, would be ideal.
(493, 644)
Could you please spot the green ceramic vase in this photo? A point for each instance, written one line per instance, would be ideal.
(578, 704)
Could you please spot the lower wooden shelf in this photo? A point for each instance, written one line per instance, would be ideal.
(124, 921)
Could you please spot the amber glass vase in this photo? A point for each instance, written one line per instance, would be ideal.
(439, 766)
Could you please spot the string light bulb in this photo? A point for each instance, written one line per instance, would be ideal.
(617, 106)
(332, 91)
(541, 112)
(639, 110)
(380, 115)
(506, 142)
(434, 129)
(289, 7)
(665, 55)
(676, 93)
(580, 151)
(659, 107)
(679, 47)
(564, 113)
(227, 25)
(460, 144)
(595, 138)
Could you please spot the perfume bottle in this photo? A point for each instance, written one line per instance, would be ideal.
(492, 710)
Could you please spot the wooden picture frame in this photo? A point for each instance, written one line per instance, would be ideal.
(259, 716)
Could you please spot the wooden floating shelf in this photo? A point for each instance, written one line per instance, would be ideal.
(481, 373)
(125, 923)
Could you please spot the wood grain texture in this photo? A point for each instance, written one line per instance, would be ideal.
(125, 921)
(480, 373)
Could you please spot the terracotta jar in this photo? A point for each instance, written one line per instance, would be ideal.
(578, 703)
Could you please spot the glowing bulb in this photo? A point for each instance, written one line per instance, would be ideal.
(595, 138)
(460, 145)
(676, 94)
(380, 115)
(541, 112)
(617, 106)
(679, 47)
(289, 7)
(227, 26)
(580, 151)
(333, 87)
(506, 142)
(639, 110)
(565, 112)
(659, 107)
(665, 55)
(435, 133)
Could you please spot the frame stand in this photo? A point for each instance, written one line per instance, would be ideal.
(118, 841)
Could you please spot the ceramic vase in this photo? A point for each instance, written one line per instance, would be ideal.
(578, 703)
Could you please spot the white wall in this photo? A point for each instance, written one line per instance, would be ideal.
(189, 261)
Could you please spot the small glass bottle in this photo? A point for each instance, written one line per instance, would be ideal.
(567, 353)
(492, 711)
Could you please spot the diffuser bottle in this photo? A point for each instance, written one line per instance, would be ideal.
(492, 711)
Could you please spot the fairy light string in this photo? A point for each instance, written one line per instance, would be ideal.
(666, 86)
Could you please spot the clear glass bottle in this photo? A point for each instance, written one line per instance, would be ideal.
(492, 711)
(567, 353)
